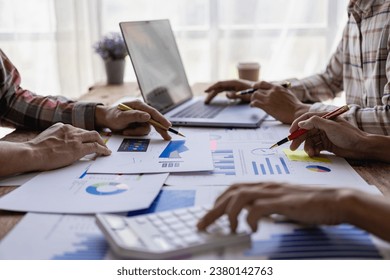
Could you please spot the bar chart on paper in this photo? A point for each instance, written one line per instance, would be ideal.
(223, 162)
(324, 242)
(255, 162)
(87, 247)
(270, 166)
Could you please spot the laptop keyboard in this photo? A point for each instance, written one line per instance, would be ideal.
(199, 110)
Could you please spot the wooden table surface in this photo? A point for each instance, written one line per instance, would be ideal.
(375, 173)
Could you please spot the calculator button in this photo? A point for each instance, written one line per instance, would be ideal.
(152, 218)
(186, 217)
(196, 210)
(177, 242)
(217, 230)
(191, 223)
(180, 212)
(157, 223)
(164, 228)
(164, 215)
(170, 220)
(171, 235)
(177, 226)
(162, 243)
(127, 236)
(192, 239)
(184, 232)
(116, 222)
(140, 220)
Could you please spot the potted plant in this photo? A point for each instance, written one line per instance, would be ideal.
(112, 50)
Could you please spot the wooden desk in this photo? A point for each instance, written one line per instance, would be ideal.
(108, 94)
(374, 173)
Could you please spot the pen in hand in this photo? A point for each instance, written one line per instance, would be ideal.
(252, 90)
(330, 115)
(124, 107)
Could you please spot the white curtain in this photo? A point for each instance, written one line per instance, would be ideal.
(50, 41)
(77, 28)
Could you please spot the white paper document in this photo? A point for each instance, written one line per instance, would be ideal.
(71, 190)
(54, 236)
(77, 237)
(242, 155)
(17, 180)
(151, 154)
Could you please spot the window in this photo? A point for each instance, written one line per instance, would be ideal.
(290, 38)
(50, 41)
(27, 36)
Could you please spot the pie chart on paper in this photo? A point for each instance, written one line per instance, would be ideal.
(107, 188)
(318, 168)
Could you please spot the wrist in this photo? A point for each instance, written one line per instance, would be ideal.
(17, 158)
(347, 203)
(301, 109)
(100, 117)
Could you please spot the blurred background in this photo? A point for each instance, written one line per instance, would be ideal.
(50, 41)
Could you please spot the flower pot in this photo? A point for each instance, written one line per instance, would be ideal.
(115, 70)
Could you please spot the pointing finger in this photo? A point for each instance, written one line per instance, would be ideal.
(210, 96)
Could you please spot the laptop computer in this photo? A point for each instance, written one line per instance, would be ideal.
(163, 82)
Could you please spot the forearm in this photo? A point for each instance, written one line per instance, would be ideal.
(316, 88)
(369, 212)
(377, 147)
(371, 120)
(32, 111)
(23, 108)
(16, 158)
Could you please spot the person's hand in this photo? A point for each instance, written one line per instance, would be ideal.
(133, 122)
(307, 205)
(336, 136)
(62, 144)
(278, 102)
(232, 86)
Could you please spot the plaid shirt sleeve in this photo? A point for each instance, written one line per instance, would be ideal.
(22, 108)
(360, 67)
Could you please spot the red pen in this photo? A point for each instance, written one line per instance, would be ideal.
(301, 131)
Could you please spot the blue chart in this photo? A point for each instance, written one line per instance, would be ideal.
(334, 242)
(173, 149)
(88, 247)
(223, 162)
(270, 166)
(134, 145)
(318, 168)
(107, 188)
(168, 200)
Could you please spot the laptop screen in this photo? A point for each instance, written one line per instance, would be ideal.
(157, 64)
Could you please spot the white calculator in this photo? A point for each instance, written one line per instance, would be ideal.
(168, 234)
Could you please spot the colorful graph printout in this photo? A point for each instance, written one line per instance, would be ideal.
(154, 155)
(173, 149)
(107, 188)
(134, 145)
(318, 168)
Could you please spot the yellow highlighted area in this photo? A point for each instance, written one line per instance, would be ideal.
(300, 155)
